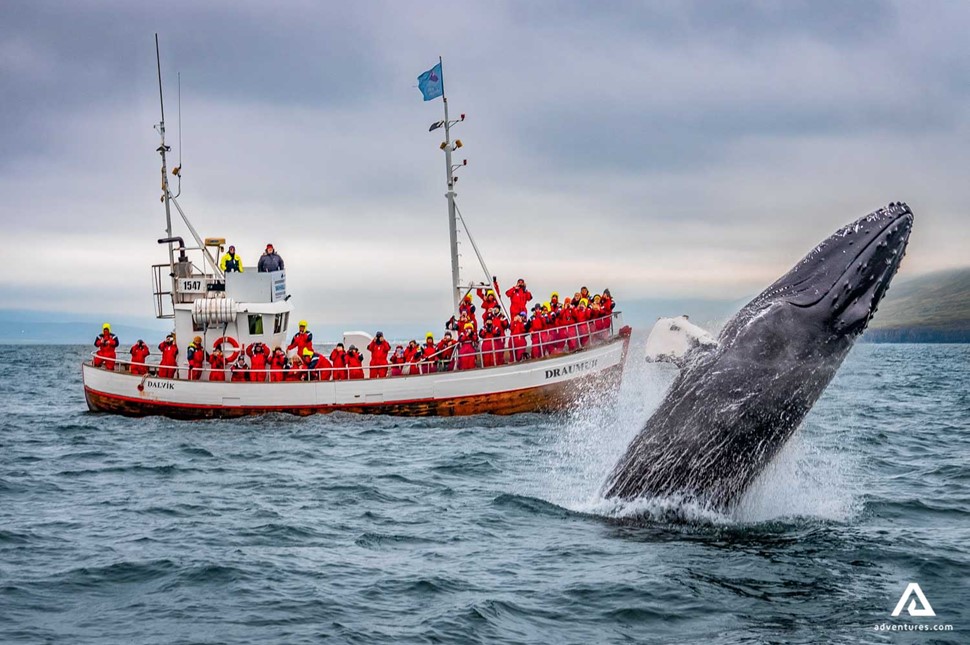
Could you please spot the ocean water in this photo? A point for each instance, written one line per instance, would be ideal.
(477, 530)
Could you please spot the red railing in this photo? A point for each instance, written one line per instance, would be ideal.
(535, 345)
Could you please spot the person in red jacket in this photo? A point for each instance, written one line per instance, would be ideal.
(409, 353)
(106, 344)
(355, 363)
(537, 325)
(582, 315)
(550, 335)
(466, 306)
(445, 352)
(258, 359)
(139, 352)
(317, 367)
(567, 326)
(170, 354)
(379, 348)
(500, 327)
(489, 301)
(277, 365)
(397, 361)
(597, 317)
(520, 297)
(338, 358)
(607, 302)
(429, 354)
(297, 371)
(518, 343)
(301, 340)
(239, 370)
(467, 349)
(196, 357)
(487, 334)
(217, 365)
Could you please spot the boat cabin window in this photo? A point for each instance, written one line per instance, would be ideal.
(278, 323)
(255, 325)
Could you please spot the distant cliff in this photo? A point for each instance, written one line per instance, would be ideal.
(932, 308)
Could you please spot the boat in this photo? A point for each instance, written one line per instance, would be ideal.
(233, 311)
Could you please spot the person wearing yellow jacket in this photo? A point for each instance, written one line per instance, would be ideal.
(231, 262)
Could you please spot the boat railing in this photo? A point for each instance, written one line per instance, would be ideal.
(529, 346)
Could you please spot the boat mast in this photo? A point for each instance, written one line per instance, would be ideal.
(450, 196)
(162, 149)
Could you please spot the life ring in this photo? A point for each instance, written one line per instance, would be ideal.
(217, 344)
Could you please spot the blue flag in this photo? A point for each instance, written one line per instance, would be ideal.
(430, 83)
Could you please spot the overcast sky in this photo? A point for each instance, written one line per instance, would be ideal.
(662, 149)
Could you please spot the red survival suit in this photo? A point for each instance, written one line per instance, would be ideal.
(196, 355)
(520, 351)
(106, 344)
(354, 364)
(139, 352)
(520, 297)
(467, 350)
(338, 357)
(301, 340)
(217, 366)
(170, 355)
(277, 363)
(258, 359)
(379, 348)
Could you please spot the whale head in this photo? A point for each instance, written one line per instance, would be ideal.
(834, 291)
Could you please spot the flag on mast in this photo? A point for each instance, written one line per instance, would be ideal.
(431, 84)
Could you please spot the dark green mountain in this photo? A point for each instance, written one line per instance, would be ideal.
(931, 308)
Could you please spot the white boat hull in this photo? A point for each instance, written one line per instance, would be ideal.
(531, 386)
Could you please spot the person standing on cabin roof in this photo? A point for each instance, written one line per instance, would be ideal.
(106, 344)
(270, 260)
(302, 339)
(139, 352)
(170, 354)
(230, 262)
(379, 349)
(520, 297)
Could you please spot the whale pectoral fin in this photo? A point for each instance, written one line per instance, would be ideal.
(672, 339)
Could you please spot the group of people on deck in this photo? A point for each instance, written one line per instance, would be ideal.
(554, 326)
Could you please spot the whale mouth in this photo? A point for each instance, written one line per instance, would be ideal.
(850, 290)
(856, 294)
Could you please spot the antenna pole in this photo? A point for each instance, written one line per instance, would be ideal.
(450, 195)
(166, 195)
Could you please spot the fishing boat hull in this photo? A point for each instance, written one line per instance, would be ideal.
(542, 385)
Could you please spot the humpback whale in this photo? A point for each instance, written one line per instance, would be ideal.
(737, 401)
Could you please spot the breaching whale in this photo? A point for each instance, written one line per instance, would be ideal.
(737, 401)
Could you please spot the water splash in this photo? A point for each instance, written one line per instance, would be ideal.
(810, 477)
